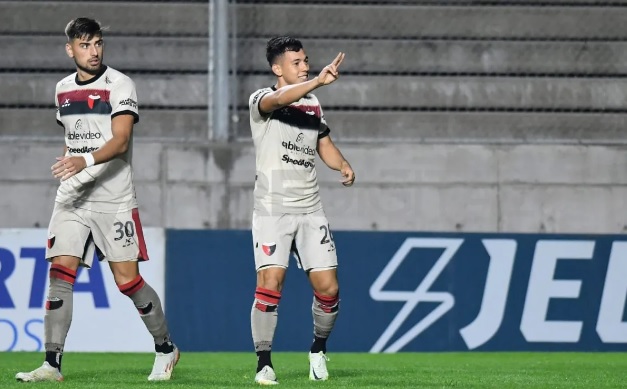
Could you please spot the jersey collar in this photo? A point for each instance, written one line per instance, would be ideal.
(103, 69)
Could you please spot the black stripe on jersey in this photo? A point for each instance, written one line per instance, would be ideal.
(82, 108)
(127, 112)
(60, 123)
(257, 100)
(297, 118)
(324, 133)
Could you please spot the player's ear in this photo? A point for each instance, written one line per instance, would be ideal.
(276, 69)
(68, 50)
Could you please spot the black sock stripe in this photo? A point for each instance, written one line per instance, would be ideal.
(63, 272)
(268, 295)
(132, 286)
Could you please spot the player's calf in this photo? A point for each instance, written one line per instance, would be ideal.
(149, 307)
(264, 317)
(150, 310)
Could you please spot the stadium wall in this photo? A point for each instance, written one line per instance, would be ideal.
(519, 188)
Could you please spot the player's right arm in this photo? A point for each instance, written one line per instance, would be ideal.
(288, 94)
(124, 115)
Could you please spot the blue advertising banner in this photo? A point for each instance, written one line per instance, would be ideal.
(97, 301)
(412, 292)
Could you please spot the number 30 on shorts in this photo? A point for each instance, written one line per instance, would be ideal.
(122, 229)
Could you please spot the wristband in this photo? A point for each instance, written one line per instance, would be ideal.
(89, 159)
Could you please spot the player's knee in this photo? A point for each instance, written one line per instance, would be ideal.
(327, 288)
(271, 284)
(125, 272)
(267, 300)
(271, 278)
(328, 303)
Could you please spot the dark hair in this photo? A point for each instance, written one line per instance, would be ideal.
(279, 45)
(83, 27)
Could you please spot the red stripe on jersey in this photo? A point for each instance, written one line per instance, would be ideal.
(131, 287)
(141, 242)
(268, 296)
(63, 273)
(83, 95)
(307, 109)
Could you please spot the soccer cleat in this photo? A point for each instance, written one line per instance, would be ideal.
(43, 373)
(266, 376)
(318, 367)
(164, 364)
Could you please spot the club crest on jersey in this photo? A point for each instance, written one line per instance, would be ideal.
(269, 248)
(93, 99)
(300, 138)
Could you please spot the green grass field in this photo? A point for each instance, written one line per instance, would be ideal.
(406, 370)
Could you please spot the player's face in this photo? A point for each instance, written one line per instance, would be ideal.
(87, 53)
(295, 67)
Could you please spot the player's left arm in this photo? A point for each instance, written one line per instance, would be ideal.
(121, 129)
(333, 158)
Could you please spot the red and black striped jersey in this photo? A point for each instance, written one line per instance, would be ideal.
(285, 145)
(85, 110)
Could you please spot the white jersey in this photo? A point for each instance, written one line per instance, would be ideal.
(285, 144)
(85, 110)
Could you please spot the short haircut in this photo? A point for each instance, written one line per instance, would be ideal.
(83, 28)
(279, 45)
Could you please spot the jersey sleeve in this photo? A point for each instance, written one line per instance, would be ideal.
(324, 129)
(56, 104)
(253, 105)
(124, 99)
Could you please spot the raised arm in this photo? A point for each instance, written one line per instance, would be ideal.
(288, 94)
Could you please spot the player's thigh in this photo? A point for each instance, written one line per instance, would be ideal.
(272, 240)
(68, 232)
(314, 242)
(119, 236)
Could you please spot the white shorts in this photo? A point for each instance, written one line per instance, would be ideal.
(116, 237)
(307, 236)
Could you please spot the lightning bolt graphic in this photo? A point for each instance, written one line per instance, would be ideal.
(412, 299)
